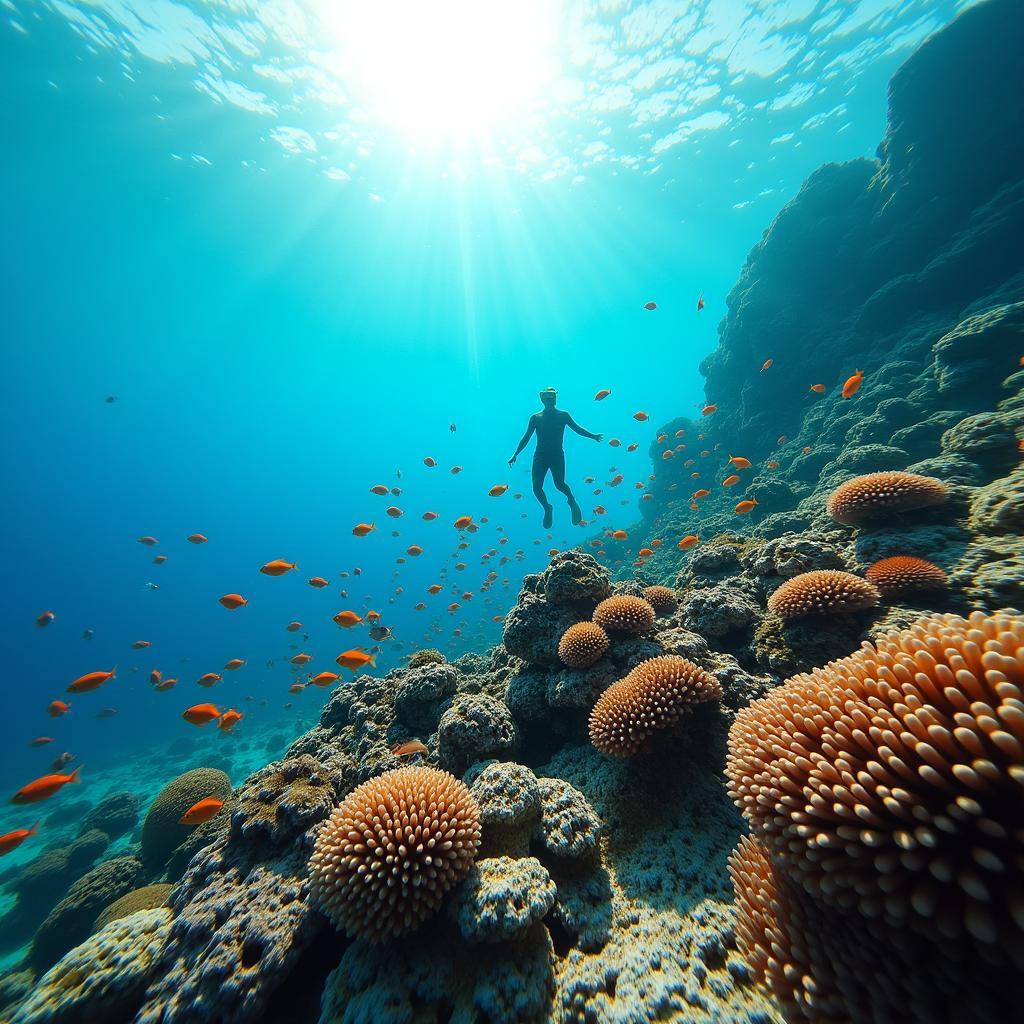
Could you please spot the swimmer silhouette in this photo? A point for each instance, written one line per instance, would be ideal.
(549, 425)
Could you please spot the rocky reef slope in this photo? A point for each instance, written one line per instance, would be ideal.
(598, 886)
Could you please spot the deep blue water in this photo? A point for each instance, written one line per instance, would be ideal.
(286, 326)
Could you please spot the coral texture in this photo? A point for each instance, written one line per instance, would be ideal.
(582, 645)
(650, 699)
(115, 815)
(501, 897)
(625, 615)
(390, 851)
(149, 897)
(662, 599)
(877, 495)
(822, 592)
(903, 574)
(162, 830)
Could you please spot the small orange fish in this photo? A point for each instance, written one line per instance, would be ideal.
(767, 365)
(708, 410)
(689, 541)
(602, 394)
(202, 810)
(149, 541)
(324, 679)
(296, 687)
(852, 385)
(429, 462)
(347, 619)
(234, 663)
(372, 616)
(746, 506)
(208, 679)
(196, 538)
(90, 681)
(702, 493)
(700, 302)
(645, 552)
(650, 305)
(414, 550)
(362, 529)
(301, 658)
(356, 658)
(200, 714)
(140, 645)
(319, 582)
(640, 416)
(12, 840)
(463, 522)
(278, 567)
(739, 462)
(164, 684)
(456, 470)
(429, 516)
(633, 447)
(232, 601)
(394, 511)
(667, 453)
(294, 627)
(662, 438)
(379, 489)
(40, 741)
(408, 748)
(772, 464)
(159, 559)
(818, 389)
(498, 490)
(729, 481)
(434, 588)
(614, 442)
(805, 451)
(44, 787)
(620, 535)
(44, 619)
(229, 720)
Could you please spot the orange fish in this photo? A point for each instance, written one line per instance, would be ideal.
(739, 462)
(229, 720)
(296, 687)
(455, 470)
(633, 447)
(148, 541)
(234, 663)
(463, 522)
(662, 438)
(434, 588)
(301, 658)
(667, 454)
(200, 714)
(805, 451)
(196, 538)
(347, 619)
(650, 305)
(324, 679)
(208, 679)
(362, 529)
(453, 607)
(356, 658)
(12, 840)
(408, 748)
(278, 567)
(379, 489)
(746, 506)
(40, 741)
(202, 810)
(394, 511)
(620, 534)
(164, 684)
(140, 645)
(767, 365)
(414, 550)
(852, 385)
(43, 788)
(700, 302)
(818, 389)
(44, 619)
(729, 481)
(614, 442)
(640, 416)
(690, 541)
(708, 410)
(645, 552)
(429, 516)
(372, 616)
(702, 493)
(498, 490)
(232, 601)
(602, 394)
(90, 681)
(772, 464)
(159, 559)
(318, 581)
(155, 676)
(294, 627)
(429, 462)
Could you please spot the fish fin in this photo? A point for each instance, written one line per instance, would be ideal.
(373, 660)
(35, 828)
(76, 775)
(113, 672)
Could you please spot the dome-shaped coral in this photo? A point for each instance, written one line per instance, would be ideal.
(889, 782)
(391, 850)
(877, 494)
(902, 574)
(427, 656)
(662, 599)
(651, 698)
(583, 644)
(625, 614)
(822, 592)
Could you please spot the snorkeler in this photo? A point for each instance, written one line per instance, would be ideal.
(549, 425)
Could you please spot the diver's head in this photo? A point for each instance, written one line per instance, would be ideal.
(548, 396)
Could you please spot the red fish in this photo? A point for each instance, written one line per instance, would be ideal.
(43, 788)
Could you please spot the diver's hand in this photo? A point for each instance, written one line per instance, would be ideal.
(599, 438)
(512, 461)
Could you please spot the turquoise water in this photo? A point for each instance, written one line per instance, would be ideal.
(297, 242)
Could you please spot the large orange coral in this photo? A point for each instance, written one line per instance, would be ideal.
(625, 614)
(903, 574)
(655, 695)
(878, 494)
(822, 592)
(391, 850)
(662, 599)
(582, 645)
(891, 782)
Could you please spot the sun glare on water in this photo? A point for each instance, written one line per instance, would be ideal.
(448, 70)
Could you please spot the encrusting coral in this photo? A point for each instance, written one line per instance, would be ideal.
(875, 495)
(651, 698)
(662, 599)
(887, 786)
(582, 645)
(390, 851)
(149, 897)
(625, 614)
(822, 592)
(903, 574)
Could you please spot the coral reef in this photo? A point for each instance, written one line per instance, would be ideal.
(473, 728)
(115, 815)
(149, 897)
(582, 644)
(903, 574)
(388, 854)
(822, 592)
(662, 599)
(625, 615)
(877, 495)
(501, 898)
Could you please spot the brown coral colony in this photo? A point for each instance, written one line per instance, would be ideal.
(391, 850)
(903, 574)
(876, 495)
(822, 592)
(582, 645)
(624, 614)
(662, 599)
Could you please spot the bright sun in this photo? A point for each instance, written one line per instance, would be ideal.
(447, 69)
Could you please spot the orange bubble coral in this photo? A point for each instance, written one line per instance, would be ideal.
(903, 574)
(582, 645)
(822, 592)
(876, 495)
(662, 599)
(625, 614)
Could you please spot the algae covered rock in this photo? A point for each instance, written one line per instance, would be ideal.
(149, 897)
(104, 978)
(715, 610)
(569, 826)
(420, 690)
(966, 357)
(162, 831)
(473, 728)
(501, 897)
(575, 579)
(115, 815)
(509, 800)
(427, 656)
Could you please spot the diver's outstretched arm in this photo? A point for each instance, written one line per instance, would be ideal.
(573, 425)
(524, 440)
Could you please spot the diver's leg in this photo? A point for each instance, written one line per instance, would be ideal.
(558, 476)
(540, 470)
